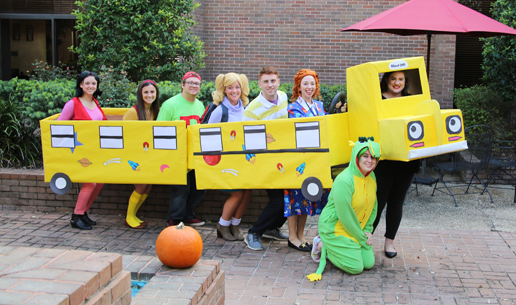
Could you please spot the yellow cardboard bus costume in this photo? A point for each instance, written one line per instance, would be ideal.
(282, 154)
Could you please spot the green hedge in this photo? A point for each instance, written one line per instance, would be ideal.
(40, 99)
(32, 100)
(482, 106)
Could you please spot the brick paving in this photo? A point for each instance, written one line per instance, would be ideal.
(432, 267)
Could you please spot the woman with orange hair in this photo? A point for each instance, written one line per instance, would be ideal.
(297, 208)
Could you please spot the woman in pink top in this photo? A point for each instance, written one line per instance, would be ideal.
(84, 106)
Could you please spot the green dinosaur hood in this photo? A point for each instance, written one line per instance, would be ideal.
(359, 147)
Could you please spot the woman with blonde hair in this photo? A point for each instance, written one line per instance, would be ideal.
(231, 92)
(297, 207)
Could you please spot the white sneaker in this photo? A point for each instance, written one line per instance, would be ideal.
(316, 255)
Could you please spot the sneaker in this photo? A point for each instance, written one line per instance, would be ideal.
(275, 234)
(253, 242)
(172, 222)
(316, 255)
(194, 222)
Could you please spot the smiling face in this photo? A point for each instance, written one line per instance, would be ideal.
(269, 84)
(395, 84)
(366, 162)
(149, 94)
(307, 87)
(233, 92)
(89, 85)
(191, 86)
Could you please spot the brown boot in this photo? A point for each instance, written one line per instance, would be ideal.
(224, 232)
(235, 230)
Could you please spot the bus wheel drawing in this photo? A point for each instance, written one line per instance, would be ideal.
(312, 189)
(60, 183)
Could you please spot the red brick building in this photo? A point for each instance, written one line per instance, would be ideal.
(244, 35)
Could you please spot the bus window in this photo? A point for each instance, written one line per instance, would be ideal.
(111, 137)
(211, 139)
(255, 137)
(164, 137)
(307, 135)
(62, 136)
(412, 82)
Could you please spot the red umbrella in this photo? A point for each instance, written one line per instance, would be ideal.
(417, 17)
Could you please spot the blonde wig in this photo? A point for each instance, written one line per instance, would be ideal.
(222, 81)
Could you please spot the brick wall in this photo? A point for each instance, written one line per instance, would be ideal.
(244, 35)
(25, 190)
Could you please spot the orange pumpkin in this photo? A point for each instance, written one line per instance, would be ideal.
(179, 246)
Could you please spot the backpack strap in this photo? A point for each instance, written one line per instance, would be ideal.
(224, 117)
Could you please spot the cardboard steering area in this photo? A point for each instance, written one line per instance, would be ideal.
(277, 154)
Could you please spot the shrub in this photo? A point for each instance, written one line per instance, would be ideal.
(500, 53)
(117, 90)
(36, 100)
(482, 106)
(44, 72)
(148, 39)
(19, 147)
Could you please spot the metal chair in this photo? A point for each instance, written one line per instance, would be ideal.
(474, 159)
(423, 177)
(503, 157)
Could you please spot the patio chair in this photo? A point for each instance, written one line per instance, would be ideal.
(503, 158)
(474, 159)
(423, 177)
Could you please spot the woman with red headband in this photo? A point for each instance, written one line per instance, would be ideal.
(146, 109)
(297, 208)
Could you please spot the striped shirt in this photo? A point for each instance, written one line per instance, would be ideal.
(261, 109)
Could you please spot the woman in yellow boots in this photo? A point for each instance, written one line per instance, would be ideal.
(146, 108)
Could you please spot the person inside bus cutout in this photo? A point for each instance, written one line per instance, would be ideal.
(394, 84)
(84, 106)
(184, 106)
(231, 90)
(146, 109)
(297, 207)
(393, 177)
(346, 223)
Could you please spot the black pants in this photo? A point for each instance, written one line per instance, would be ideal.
(272, 215)
(184, 199)
(393, 180)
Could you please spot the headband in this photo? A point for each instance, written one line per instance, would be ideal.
(150, 81)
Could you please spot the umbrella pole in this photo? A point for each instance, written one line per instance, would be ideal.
(429, 38)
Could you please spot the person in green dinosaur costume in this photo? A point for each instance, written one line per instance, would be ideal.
(346, 223)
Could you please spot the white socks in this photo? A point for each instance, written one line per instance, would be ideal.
(224, 223)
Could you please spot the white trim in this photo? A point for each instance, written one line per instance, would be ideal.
(438, 150)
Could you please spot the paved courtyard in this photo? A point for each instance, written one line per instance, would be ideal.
(437, 262)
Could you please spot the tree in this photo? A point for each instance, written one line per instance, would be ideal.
(500, 53)
(146, 38)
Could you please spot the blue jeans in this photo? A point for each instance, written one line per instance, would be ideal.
(184, 199)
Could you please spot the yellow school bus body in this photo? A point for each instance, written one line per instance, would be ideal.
(279, 154)
(113, 151)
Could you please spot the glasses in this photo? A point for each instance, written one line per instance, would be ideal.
(193, 84)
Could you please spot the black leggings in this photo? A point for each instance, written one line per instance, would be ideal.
(392, 187)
